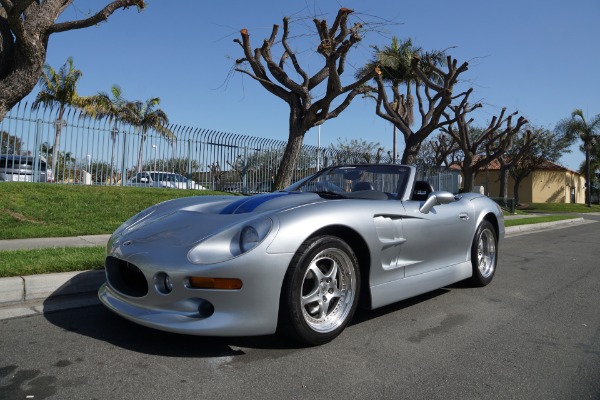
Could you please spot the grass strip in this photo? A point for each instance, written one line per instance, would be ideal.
(46, 261)
(561, 208)
(537, 220)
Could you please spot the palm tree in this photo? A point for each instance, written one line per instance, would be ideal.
(58, 89)
(115, 108)
(147, 116)
(577, 126)
(394, 62)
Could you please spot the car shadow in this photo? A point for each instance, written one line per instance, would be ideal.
(93, 320)
(364, 315)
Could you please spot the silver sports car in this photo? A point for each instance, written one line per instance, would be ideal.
(299, 260)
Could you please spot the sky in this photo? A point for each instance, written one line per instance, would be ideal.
(538, 58)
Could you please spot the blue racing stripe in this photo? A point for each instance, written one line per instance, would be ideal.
(249, 204)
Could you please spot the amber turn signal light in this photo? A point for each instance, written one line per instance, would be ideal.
(198, 282)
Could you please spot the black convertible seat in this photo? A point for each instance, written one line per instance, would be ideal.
(358, 186)
(421, 191)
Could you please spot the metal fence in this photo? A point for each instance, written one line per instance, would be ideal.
(81, 150)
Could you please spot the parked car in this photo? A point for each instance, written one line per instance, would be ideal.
(163, 179)
(20, 168)
(299, 260)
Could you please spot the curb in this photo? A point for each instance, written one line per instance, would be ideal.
(44, 286)
(512, 230)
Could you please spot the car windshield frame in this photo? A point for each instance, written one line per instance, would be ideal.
(363, 181)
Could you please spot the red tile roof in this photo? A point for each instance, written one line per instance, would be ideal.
(545, 165)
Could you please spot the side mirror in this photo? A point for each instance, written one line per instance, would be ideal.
(436, 199)
(144, 180)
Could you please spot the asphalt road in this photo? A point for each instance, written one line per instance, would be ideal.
(534, 333)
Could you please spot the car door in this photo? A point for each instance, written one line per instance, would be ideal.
(437, 239)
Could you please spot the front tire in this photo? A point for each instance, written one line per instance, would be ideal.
(320, 290)
(484, 254)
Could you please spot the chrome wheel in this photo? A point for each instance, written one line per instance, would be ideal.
(486, 253)
(320, 290)
(328, 290)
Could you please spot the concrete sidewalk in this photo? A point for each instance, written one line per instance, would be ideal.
(35, 294)
(42, 243)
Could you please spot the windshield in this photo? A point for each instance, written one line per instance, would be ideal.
(358, 181)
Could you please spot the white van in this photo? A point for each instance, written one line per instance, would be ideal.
(18, 168)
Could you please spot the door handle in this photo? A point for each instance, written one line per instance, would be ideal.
(463, 216)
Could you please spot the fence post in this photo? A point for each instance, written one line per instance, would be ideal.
(123, 165)
(36, 155)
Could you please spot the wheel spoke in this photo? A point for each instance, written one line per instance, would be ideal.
(318, 274)
(332, 274)
(323, 307)
(312, 297)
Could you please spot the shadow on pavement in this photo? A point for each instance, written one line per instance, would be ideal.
(97, 322)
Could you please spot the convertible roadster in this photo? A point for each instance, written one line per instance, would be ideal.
(301, 260)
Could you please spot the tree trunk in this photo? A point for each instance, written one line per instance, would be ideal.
(411, 151)
(588, 177)
(22, 78)
(516, 190)
(467, 179)
(290, 155)
(58, 127)
(503, 182)
(141, 152)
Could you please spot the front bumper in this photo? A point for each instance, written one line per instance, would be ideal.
(251, 310)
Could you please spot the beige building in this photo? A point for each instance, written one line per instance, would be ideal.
(550, 183)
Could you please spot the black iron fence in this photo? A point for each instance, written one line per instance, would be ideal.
(38, 146)
(81, 150)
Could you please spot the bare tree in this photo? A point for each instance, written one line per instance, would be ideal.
(512, 157)
(479, 145)
(433, 97)
(25, 27)
(305, 110)
(445, 151)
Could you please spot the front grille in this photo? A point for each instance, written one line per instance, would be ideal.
(125, 277)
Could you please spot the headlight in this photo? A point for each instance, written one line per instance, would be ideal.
(249, 239)
(231, 242)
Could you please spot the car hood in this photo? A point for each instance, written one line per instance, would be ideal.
(186, 221)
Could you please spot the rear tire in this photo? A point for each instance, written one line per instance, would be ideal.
(320, 291)
(484, 254)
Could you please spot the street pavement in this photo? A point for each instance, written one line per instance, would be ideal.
(36, 294)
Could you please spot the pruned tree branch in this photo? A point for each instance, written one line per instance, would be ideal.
(25, 28)
(100, 16)
(306, 109)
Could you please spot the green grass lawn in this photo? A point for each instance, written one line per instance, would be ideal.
(560, 208)
(29, 210)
